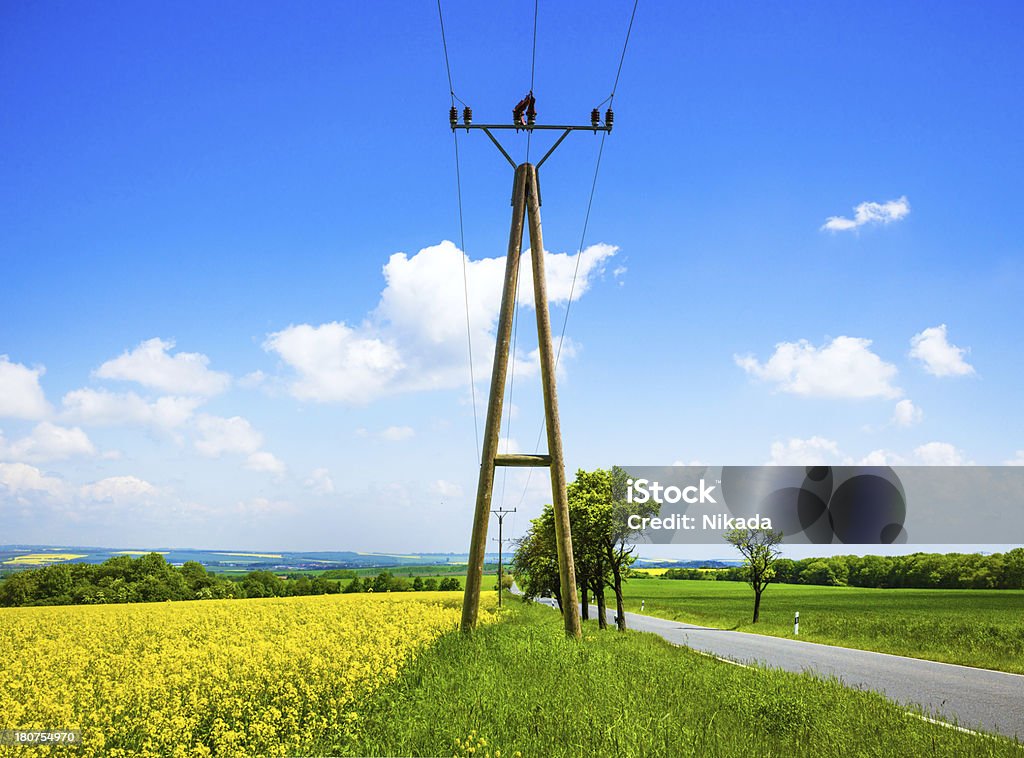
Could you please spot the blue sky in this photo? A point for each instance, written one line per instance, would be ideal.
(209, 342)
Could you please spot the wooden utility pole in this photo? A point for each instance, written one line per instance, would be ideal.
(501, 513)
(525, 203)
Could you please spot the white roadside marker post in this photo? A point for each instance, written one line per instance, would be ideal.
(796, 624)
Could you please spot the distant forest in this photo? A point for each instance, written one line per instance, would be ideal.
(150, 578)
(947, 571)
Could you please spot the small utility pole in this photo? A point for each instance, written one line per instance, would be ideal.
(525, 205)
(501, 513)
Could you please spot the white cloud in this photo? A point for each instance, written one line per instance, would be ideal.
(265, 462)
(940, 454)
(845, 367)
(319, 482)
(336, 363)
(816, 451)
(20, 393)
(219, 435)
(1018, 461)
(906, 413)
(447, 489)
(940, 358)
(416, 339)
(508, 446)
(151, 365)
(252, 380)
(104, 408)
(869, 213)
(20, 478)
(397, 433)
(119, 490)
(881, 458)
(48, 442)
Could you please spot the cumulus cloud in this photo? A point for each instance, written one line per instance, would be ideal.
(219, 435)
(104, 408)
(845, 367)
(940, 454)
(906, 413)
(939, 357)
(20, 478)
(1018, 461)
(816, 451)
(869, 213)
(48, 442)
(415, 338)
(119, 490)
(819, 451)
(265, 462)
(152, 365)
(336, 363)
(445, 488)
(881, 458)
(319, 482)
(21, 396)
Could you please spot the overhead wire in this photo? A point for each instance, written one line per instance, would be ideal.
(462, 237)
(533, 70)
(586, 222)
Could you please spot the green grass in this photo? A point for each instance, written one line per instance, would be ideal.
(983, 628)
(519, 687)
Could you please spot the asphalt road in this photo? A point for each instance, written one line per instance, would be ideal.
(976, 699)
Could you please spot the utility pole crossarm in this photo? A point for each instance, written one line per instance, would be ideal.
(595, 126)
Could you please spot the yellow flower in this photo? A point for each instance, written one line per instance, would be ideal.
(212, 677)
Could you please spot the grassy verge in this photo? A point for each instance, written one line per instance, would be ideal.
(983, 628)
(519, 687)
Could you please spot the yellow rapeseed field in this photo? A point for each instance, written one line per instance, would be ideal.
(217, 677)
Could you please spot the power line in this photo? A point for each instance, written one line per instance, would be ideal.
(622, 58)
(586, 219)
(462, 238)
(533, 69)
(444, 44)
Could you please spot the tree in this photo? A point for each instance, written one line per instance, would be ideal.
(417, 584)
(603, 493)
(758, 548)
(535, 561)
(449, 584)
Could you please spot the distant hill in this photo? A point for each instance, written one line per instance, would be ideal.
(14, 557)
(709, 564)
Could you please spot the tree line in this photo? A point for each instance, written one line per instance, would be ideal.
(602, 544)
(949, 571)
(149, 578)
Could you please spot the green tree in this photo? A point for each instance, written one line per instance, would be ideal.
(759, 550)
(18, 589)
(603, 492)
(535, 561)
(262, 584)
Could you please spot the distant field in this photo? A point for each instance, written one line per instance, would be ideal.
(983, 628)
(41, 559)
